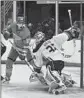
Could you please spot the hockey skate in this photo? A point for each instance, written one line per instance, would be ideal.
(5, 80)
(37, 76)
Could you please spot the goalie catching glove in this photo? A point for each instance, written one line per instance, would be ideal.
(72, 33)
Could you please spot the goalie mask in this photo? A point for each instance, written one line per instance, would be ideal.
(39, 36)
(20, 22)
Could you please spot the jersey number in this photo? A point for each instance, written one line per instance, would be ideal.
(51, 48)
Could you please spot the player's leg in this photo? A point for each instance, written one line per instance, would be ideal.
(9, 64)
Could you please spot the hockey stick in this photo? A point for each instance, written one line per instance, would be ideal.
(20, 50)
(70, 18)
(40, 78)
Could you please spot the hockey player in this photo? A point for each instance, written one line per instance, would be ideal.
(50, 50)
(21, 38)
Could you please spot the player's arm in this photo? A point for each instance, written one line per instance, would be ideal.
(67, 35)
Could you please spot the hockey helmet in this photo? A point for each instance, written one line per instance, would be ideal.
(20, 20)
(39, 36)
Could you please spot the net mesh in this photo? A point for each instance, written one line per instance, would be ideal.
(6, 13)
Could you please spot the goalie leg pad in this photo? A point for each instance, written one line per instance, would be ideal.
(53, 79)
(52, 76)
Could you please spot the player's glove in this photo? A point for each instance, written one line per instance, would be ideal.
(72, 32)
(6, 34)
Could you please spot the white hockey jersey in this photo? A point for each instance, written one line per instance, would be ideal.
(51, 49)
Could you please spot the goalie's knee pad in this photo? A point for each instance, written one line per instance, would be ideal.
(56, 65)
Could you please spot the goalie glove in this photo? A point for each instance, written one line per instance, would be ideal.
(72, 33)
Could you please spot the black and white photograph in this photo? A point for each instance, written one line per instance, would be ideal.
(42, 49)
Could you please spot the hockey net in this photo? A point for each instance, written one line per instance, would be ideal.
(6, 13)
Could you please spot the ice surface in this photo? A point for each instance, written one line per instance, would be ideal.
(20, 87)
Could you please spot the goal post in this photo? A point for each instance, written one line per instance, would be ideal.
(56, 16)
(82, 55)
(14, 11)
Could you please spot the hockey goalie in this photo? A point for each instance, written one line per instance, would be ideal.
(48, 52)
